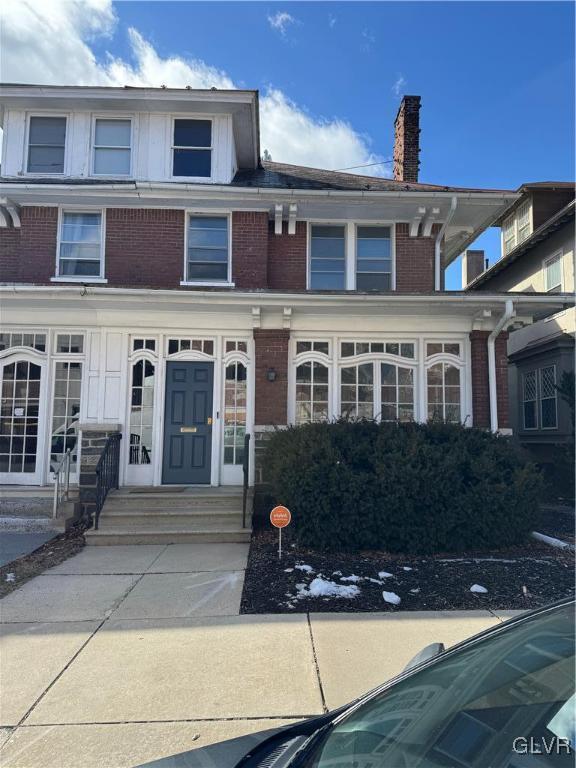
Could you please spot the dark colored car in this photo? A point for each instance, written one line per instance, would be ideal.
(502, 699)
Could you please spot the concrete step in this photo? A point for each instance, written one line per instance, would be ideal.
(172, 522)
(134, 514)
(114, 537)
(157, 501)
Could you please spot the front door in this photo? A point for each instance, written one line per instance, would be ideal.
(188, 423)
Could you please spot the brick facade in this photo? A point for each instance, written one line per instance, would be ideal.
(271, 397)
(414, 261)
(480, 388)
(250, 249)
(287, 258)
(28, 255)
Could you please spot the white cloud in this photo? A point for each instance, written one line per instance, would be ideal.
(281, 21)
(50, 43)
(399, 85)
(332, 21)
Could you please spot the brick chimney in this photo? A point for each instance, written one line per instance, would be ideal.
(473, 264)
(407, 139)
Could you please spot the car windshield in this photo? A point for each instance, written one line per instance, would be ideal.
(504, 702)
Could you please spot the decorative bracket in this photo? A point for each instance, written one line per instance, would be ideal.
(429, 221)
(292, 211)
(278, 219)
(287, 317)
(9, 211)
(415, 223)
(255, 317)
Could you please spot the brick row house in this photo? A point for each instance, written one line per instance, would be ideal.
(158, 278)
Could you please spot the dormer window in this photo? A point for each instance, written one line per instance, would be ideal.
(517, 227)
(112, 147)
(192, 148)
(46, 143)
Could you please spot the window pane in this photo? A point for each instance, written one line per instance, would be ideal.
(46, 160)
(192, 162)
(47, 130)
(530, 415)
(208, 254)
(209, 237)
(112, 133)
(327, 281)
(112, 161)
(192, 133)
(372, 249)
(553, 274)
(79, 268)
(327, 247)
(199, 271)
(373, 282)
(79, 251)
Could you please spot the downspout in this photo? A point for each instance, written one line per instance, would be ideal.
(438, 243)
(509, 312)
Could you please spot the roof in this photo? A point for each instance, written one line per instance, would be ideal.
(536, 186)
(284, 176)
(562, 217)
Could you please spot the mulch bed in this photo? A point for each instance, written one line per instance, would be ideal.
(53, 552)
(521, 577)
(558, 522)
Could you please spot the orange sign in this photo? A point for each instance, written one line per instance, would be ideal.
(280, 517)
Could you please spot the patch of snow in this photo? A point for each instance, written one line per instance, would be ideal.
(392, 598)
(415, 591)
(551, 540)
(10, 577)
(385, 575)
(374, 581)
(324, 588)
(353, 577)
(336, 573)
(478, 588)
(305, 568)
(405, 568)
(288, 570)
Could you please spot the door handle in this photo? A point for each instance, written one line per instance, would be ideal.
(209, 422)
(188, 429)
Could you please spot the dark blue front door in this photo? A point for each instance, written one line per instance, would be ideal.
(188, 423)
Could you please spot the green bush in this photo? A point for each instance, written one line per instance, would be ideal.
(418, 488)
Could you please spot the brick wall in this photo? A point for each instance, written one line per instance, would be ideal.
(407, 140)
(250, 249)
(414, 261)
(9, 254)
(271, 351)
(28, 255)
(480, 388)
(144, 247)
(287, 258)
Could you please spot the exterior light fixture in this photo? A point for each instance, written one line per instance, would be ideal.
(271, 374)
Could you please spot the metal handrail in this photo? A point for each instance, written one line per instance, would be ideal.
(61, 490)
(246, 472)
(107, 473)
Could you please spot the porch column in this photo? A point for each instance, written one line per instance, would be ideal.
(480, 389)
(93, 438)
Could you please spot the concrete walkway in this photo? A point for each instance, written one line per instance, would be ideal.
(122, 655)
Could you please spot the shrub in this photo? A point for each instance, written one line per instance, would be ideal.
(418, 488)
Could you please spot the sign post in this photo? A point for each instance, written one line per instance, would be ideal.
(280, 517)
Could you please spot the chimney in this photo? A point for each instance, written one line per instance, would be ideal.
(473, 264)
(407, 140)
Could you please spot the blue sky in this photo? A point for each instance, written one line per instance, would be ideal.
(496, 78)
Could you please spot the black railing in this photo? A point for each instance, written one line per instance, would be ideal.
(107, 471)
(245, 472)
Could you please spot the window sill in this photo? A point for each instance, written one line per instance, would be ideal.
(206, 284)
(83, 280)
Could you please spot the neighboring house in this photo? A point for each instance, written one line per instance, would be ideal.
(537, 257)
(161, 280)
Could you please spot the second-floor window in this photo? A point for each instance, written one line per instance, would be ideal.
(373, 259)
(46, 144)
(112, 140)
(80, 249)
(207, 259)
(327, 257)
(192, 148)
(553, 273)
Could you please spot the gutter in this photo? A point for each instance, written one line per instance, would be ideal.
(509, 312)
(438, 243)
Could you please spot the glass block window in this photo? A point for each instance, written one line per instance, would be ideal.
(509, 234)
(66, 413)
(523, 222)
(357, 391)
(373, 259)
(234, 413)
(46, 144)
(207, 249)
(397, 393)
(35, 341)
(553, 273)
(443, 382)
(19, 417)
(530, 400)
(327, 257)
(80, 245)
(138, 344)
(322, 347)
(192, 148)
(197, 345)
(352, 348)
(141, 412)
(548, 410)
(236, 346)
(437, 348)
(70, 343)
(112, 139)
(311, 392)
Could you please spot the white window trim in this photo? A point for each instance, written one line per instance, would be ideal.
(172, 146)
(39, 113)
(540, 398)
(101, 278)
(455, 362)
(546, 262)
(535, 371)
(93, 147)
(350, 248)
(206, 212)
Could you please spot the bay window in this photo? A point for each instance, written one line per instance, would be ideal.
(397, 393)
(311, 392)
(443, 384)
(548, 409)
(357, 391)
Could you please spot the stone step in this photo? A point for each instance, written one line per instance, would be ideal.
(129, 512)
(135, 535)
(172, 522)
(176, 501)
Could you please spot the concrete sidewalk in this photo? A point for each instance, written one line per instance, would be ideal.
(122, 655)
